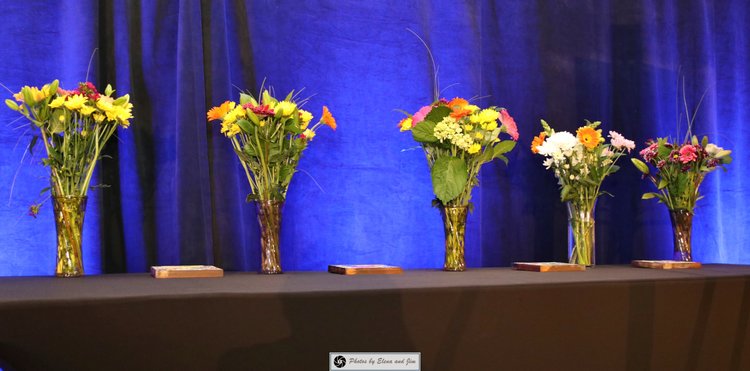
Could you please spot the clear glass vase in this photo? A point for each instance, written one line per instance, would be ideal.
(69, 212)
(581, 233)
(454, 223)
(682, 225)
(269, 218)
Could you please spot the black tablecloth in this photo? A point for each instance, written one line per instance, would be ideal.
(607, 318)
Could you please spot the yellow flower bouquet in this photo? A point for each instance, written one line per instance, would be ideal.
(268, 135)
(74, 126)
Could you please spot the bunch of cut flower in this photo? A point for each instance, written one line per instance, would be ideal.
(458, 138)
(680, 169)
(74, 126)
(581, 162)
(268, 135)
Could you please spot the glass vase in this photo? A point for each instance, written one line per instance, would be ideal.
(269, 218)
(69, 212)
(454, 223)
(581, 233)
(682, 225)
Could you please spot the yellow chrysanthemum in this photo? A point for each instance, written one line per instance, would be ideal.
(589, 136)
(406, 124)
(87, 110)
(488, 115)
(98, 117)
(472, 108)
(305, 117)
(233, 115)
(57, 102)
(468, 128)
(479, 135)
(286, 108)
(489, 126)
(75, 102)
(104, 103)
(308, 134)
(474, 148)
(230, 129)
(38, 94)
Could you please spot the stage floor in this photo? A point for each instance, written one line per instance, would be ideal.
(608, 317)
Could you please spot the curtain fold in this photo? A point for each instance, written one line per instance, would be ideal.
(362, 194)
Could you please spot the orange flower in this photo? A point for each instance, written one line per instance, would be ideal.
(538, 141)
(328, 119)
(588, 136)
(457, 103)
(459, 113)
(217, 113)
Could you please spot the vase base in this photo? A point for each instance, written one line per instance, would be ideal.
(454, 269)
(270, 272)
(68, 275)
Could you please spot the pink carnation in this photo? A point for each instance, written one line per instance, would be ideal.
(510, 124)
(649, 152)
(688, 153)
(421, 114)
(619, 141)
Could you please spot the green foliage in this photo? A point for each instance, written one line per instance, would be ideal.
(449, 176)
(424, 132)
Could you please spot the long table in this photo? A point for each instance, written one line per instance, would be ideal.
(606, 318)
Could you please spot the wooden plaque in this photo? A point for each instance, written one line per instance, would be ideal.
(665, 264)
(548, 267)
(364, 269)
(186, 271)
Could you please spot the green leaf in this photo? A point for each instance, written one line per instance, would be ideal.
(704, 142)
(52, 88)
(565, 192)
(285, 174)
(640, 165)
(438, 114)
(122, 100)
(108, 90)
(289, 96)
(503, 159)
(503, 147)
(293, 128)
(250, 150)
(245, 99)
(614, 169)
(546, 127)
(662, 183)
(11, 104)
(726, 160)
(245, 126)
(253, 117)
(33, 142)
(449, 176)
(650, 195)
(424, 132)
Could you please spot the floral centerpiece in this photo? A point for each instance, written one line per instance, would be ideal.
(458, 138)
(268, 135)
(581, 162)
(74, 126)
(677, 170)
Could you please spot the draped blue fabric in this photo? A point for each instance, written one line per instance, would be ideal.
(363, 192)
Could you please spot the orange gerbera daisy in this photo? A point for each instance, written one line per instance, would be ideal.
(217, 113)
(457, 103)
(459, 113)
(328, 119)
(538, 141)
(588, 136)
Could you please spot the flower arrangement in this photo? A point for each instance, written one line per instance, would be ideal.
(458, 138)
(269, 135)
(679, 169)
(580, 163)
(74, 126)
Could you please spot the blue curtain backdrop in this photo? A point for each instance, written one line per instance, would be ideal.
(363, 192)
